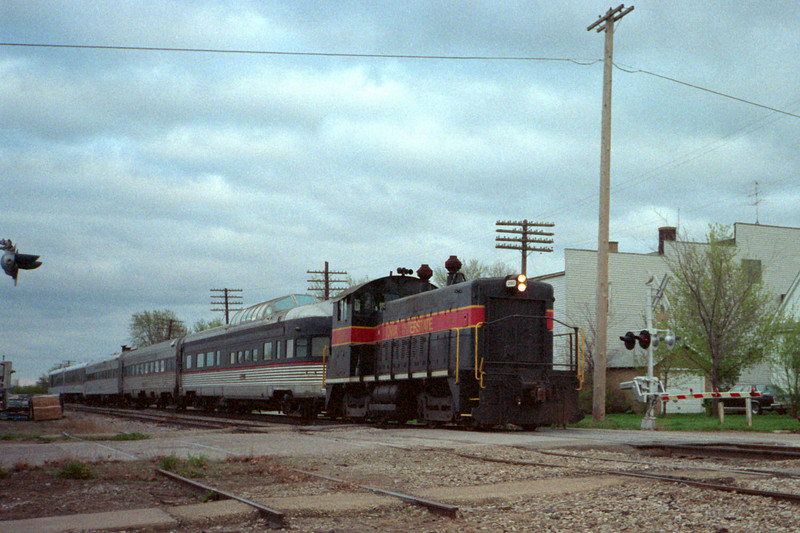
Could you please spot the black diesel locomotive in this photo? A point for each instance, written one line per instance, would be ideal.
(478, 352)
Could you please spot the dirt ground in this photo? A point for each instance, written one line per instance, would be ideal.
(491, 496)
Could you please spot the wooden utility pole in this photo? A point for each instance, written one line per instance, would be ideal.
(228, 300)
(326, 281)
(604, 23)
(526, 237)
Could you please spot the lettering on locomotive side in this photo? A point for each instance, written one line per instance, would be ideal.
(407, 327)
(416, 326)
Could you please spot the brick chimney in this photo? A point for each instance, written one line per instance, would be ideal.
(666, 233)
(613, 247)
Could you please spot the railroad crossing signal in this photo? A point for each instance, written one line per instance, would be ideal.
(13, 262)
(647, 339)
(629, 339)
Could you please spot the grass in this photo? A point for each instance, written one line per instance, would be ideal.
(135, 435)
(192, 467)
(767, 422)
(35, 437)
(75, 470)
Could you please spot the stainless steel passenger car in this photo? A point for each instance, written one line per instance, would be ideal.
(149, 374)
(103, 382)
(68, 382)
(275, 362)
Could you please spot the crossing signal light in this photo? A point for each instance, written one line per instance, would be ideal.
(629, 339)
(644, 339)
(12, 262)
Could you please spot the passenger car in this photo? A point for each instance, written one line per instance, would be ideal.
(768, 401)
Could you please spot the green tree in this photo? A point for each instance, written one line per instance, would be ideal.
(151, 327)
(719, 306)
(202, 325)
(474, 269)
(43, 382)
(786, 362)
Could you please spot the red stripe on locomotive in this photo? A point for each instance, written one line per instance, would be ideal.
(407, 327)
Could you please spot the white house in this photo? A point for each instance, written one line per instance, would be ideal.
(771, 250)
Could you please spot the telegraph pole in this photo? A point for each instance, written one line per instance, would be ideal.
(525, 238)
(228, 299)
(604, 23)
(326, 281)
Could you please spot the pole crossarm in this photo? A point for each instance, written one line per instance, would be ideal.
(326, 282)
(526, 236)
(228, 299)
(529, 232)
(612, 15)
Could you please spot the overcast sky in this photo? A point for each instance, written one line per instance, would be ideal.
(146, 178)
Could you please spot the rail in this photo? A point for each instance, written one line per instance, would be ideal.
(275, 518)
(442, 508)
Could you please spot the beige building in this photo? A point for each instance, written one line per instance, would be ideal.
(772, 250)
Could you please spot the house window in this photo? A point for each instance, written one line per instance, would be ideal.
(752, 268)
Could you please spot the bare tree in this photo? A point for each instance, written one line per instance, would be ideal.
(151, 327)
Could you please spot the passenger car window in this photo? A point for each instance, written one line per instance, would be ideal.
(301, 347)
(289, 348)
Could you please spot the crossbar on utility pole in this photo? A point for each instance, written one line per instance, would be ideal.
(229, 299)
(328, 282)
(604, 23)
(526, 237)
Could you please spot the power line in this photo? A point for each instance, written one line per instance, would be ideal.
(587, 62)
(698, 87)
(580, 62)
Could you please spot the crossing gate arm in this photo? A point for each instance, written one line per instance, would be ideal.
(707, 395)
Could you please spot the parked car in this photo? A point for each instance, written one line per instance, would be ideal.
(768, 401)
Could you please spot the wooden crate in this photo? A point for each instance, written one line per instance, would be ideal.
(46, 407)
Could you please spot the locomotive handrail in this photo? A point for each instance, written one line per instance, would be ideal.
(324, 364)
(480, 379)
(458, 348)
(580, 339)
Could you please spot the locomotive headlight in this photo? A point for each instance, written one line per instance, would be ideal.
(515, 284)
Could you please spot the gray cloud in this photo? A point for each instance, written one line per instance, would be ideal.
(146, 178)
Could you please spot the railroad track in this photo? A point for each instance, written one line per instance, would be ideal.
(726, 487)
(273, 518)
(200, 419)
(736, 451)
